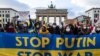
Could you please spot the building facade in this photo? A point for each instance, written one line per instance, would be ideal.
(51, 15)
(94, 14)
(7, 14)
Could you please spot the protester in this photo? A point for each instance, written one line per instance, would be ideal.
(1, 28)
(76, 29)
(93, 29)
(31, 28)
(10, 28)
(19, 27)
(84, 30)
(61, 28)
(54, 28)
(71, 28)
(43, 30)
(97, 29)
(57, 30)
(25, 28)
(67, 30)
(50, 28)
(37, 26)
(88, 29)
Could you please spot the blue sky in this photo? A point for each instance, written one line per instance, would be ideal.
(75, 7)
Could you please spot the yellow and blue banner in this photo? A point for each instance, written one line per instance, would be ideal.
(15, 44)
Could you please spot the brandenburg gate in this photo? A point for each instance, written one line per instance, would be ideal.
(57, 14)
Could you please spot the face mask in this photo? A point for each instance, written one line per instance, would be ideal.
(78, 26)
(10, 26)
(96, 18)
(37, 26)
(67, 29)
(44, 29)
(98, 28)
(24, 25)
(84, 27)
(60, 26)
(54, 26)
(50, 24)
(88, 27)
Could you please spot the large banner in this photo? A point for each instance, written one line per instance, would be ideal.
(13, 44)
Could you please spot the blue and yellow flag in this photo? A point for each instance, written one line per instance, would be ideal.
(14, 44)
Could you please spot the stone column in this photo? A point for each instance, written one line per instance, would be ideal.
(65, 18)
(54, 19)
(47, 19)
(60, 19)
(37, 17)
(42, 18)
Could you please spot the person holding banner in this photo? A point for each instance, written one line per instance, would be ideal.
(37, 26)
(97, 29)
(93, 29)
(25, 28)
(67, 30)
(85, 30)
(50, 28)
(43, 29)
(54, 28)
(61, 28)
(76, 29)
(1, 28)
(10, 28)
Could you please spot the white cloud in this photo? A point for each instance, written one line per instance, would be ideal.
(65, 4)
(75, 7)
(13, 4)
(86, 3)
(35, 3)
(45, 3)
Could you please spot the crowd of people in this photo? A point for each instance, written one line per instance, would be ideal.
(43, 28)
